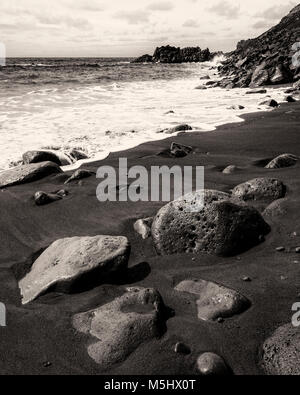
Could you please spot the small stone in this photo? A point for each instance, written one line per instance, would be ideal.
(47, 364)
(283, 278)
(269, 103)
(220, 320)
(290, 99)
(297, 250)
(181, 348)
(280, 249)
(179, 128)
(246, 279)
(79, 175)
(42, 198)
(230, 169)
(143, 227)
(210, 364)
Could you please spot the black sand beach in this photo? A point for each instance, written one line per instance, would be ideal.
(40, 338)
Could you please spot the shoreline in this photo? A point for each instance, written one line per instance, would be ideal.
(42, 331)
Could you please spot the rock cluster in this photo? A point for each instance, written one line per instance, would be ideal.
(169, 54)
(267, 59)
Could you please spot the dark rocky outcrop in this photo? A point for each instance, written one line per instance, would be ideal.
(207, 221)
(266, 59)
(27, 173)
(169, 54)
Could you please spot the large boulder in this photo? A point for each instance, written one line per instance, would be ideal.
(207, 221)
(27, 173)
(214, 300)
(57, 157)
(264, 189)
(120, 327)
(284, 160)
(281, 352)
(74, 261)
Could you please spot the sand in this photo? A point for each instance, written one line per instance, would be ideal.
(39, 337)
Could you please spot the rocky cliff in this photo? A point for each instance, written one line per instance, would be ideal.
(168, 54)
(268, 59)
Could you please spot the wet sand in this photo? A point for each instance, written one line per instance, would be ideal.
(42, 331)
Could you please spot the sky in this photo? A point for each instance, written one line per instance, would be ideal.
(101, 28)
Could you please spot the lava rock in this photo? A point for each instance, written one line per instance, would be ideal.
(118, 328)
(73, 260)
(41, 198)
(179, 128)
(27, 173)
(143, 227)
(220, 226)
(269, 103)
(214, 301)
(256, 92)
(210, 364)
(230, 169)
(180, 150)
(264, 189)
(201, 87)
(57, 157)
(78, 155)
(79, 175)
(284, 160)
(236, 107)
(290, 99)
(281, 352)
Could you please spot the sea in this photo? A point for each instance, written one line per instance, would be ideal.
(108, 104)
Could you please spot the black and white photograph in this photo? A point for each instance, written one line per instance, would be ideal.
(150, 190)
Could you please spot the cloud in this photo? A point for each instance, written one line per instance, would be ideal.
(191, 23)
(161, 6)
(133, 17)
(225, 10)
(276, 12)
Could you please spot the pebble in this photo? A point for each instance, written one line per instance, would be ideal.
(297, 250)
(280, 249)
(246, 279)
(47, 364)
(210, 364)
